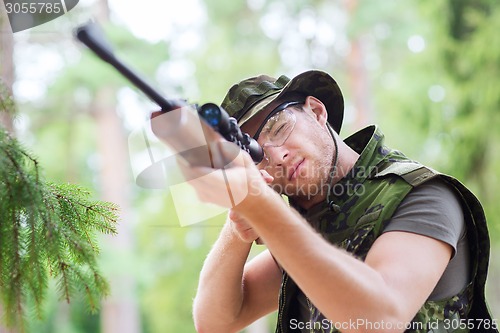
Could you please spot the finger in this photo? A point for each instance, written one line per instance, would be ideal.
(235, 217)
(267, 177)
(247, 235)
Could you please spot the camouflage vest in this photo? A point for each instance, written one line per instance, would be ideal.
(365, 201)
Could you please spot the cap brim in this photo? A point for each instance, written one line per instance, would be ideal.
(259, 106)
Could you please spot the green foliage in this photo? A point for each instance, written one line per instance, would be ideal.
(47, 230)
(465, 46)
(440, 105)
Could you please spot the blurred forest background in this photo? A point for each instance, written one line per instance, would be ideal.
(426, 71)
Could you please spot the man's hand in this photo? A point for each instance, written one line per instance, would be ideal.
(239, 225)
(240, 178)
(241, 228)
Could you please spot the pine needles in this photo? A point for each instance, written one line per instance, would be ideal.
(47, 230)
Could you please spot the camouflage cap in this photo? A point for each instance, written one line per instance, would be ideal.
(248, 97)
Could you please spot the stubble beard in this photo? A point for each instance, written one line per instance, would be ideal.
(312, 179)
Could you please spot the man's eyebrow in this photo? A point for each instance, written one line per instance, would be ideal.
(271, 122)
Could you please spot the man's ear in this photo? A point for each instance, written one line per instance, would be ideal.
(318, 109)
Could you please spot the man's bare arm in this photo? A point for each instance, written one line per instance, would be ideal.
(231, 294)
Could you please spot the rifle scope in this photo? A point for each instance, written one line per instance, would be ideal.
(228, 127)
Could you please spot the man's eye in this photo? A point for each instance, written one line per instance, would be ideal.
(278, 129)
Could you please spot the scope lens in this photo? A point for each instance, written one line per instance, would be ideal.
(211, 113)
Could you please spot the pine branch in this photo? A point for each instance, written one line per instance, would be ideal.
(46, 230)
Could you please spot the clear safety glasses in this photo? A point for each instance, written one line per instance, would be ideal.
(276, 129)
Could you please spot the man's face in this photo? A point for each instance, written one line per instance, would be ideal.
(301, 164)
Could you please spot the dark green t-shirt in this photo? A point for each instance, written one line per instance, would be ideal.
(433, 210)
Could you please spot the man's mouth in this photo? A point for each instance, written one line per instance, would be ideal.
(294, 170)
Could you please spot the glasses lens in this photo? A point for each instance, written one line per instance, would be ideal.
(278, 128)
(265, 161)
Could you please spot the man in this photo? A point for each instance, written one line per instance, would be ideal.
(369, 240)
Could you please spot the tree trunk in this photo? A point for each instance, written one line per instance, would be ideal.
(119, 313)
(7, 78)
(6, 64)
(358, 75)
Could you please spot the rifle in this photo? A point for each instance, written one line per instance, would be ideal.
(173, 124)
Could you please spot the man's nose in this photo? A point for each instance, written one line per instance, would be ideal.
(277, 155)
